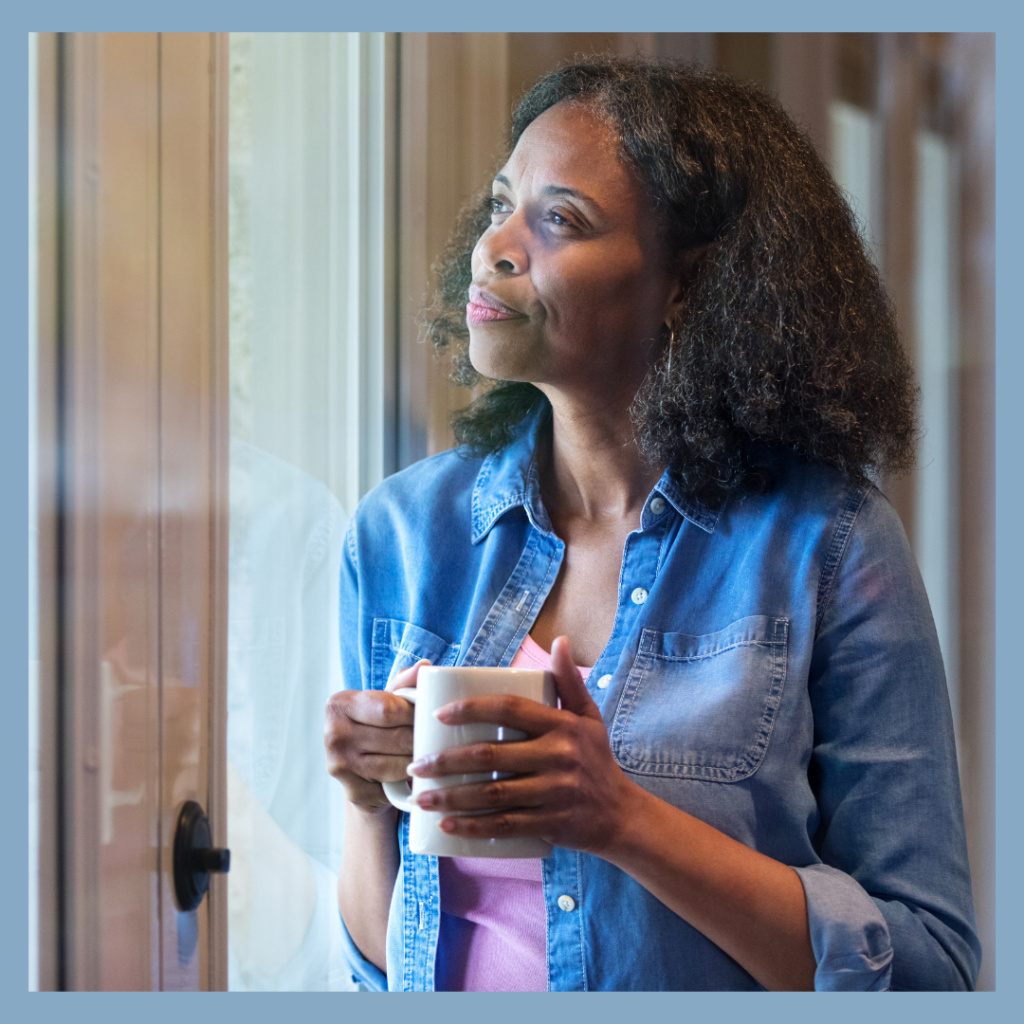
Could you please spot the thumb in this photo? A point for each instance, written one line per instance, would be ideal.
(408, 676)
(572, 691)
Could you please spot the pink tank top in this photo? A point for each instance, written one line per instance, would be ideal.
(492, 935)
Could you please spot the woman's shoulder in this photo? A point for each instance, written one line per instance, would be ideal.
(435, 489)
(848, 520)
(861, 542)
(808, 493)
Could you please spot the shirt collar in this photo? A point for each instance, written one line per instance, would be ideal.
(509, 478)
(698, 514)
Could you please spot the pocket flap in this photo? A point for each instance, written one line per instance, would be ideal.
(702, 707)
(398, 645)
(754, 629)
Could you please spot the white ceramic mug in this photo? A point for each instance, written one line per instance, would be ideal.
(437, 686)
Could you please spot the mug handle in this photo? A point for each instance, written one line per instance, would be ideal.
(400, 793)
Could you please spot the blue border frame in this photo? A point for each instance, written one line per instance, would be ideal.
(536, 15)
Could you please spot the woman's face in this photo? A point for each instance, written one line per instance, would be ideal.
(570, 282)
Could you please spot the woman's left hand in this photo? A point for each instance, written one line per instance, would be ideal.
(567, 787)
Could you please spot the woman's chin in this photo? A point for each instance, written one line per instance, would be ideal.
(500, 362)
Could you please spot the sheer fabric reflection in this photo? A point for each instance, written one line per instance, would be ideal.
(284, 812)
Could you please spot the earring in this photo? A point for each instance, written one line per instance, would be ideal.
(672, 339)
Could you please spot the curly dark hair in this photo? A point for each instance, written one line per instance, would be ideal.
(787, 340)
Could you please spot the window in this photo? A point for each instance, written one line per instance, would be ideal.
(935, 314)
(309, 223)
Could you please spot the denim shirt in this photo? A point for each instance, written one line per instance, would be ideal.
(773, 670)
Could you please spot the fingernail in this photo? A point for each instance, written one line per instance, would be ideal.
(414, 766)
(442, 713)
(447, 825)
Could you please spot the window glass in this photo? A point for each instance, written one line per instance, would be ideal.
(935, 315)
(856, 157)
(306, 200)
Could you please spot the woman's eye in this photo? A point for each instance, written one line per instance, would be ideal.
(496, 205)
(560, 220)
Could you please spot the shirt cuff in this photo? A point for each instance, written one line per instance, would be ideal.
(849, 936)
(368, 977)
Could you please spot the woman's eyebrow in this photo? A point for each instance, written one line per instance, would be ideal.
(552, 190)
(563, 190)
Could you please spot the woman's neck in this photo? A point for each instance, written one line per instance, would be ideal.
(591, 466)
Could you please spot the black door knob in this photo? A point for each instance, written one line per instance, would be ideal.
(194, 856)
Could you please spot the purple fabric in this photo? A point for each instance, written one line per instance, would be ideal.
(492, 935)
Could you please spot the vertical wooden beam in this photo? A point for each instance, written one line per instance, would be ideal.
(746, 55)
(220, 446)
(80, 664)
(973, 62)
(108, 572)
(695, 47)
(186, 316)
(453, 107)
(803, 80)
(414, 202)
(47, 427)
(533, 54)
(898, 106)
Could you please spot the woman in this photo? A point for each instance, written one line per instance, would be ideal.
(694, 369)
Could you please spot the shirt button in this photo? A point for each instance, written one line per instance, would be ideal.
(639, 595)
(566, 903)
(604, 682)
(657, 505)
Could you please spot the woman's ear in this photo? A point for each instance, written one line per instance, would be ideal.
(686, 272)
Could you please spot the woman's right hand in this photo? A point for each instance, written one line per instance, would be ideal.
(368, 736)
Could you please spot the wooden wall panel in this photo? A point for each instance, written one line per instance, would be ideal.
(973, 64)
(110, 691)
(186, 498)
(453, 106)
(898, 107)
(47, 427)
(140, 471)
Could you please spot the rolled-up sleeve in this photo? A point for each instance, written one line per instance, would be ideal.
(849, 935)
(364, 974)
(890, 904)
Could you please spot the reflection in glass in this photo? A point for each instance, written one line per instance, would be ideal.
(306, 350)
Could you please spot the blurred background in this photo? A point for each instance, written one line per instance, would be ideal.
(231, 236)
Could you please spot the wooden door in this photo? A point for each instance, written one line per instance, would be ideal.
(133, 369)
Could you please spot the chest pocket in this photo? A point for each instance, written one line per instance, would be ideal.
(398, 645)
(702, 707)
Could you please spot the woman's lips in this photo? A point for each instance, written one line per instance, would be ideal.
(477, 314)
(483, 307)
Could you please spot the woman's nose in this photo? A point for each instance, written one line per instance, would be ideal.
(501, 250)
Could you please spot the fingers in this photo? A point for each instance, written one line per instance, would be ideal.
(381, 767)
(375, 754)
(349, 737)
(518, 758)
(376, 708)
(572, 690)
(368, 739)
(503, 709)
(524, 792)
(408, 676)
(504, 824)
